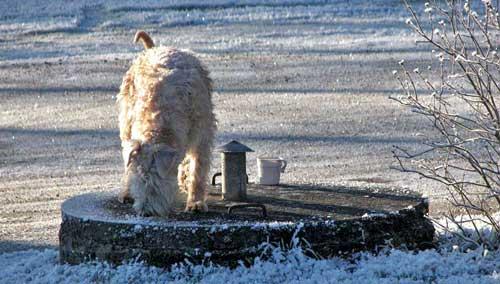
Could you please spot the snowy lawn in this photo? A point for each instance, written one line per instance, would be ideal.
(452, 262)
(392, 266)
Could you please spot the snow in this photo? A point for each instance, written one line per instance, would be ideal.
(389, 266)
(452, 262)
(469, 236)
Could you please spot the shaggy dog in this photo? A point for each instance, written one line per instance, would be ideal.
(166, 127)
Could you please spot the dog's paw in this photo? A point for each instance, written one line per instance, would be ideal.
(142, 213)
(141, 210)
(125, 198)
(197, 206)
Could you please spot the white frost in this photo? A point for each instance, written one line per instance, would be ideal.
(392, 266)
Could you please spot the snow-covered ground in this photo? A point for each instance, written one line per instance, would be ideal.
(305, 80)
(454, 261)
(451, 262)
(393, 266)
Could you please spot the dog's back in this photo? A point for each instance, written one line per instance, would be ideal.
(170, 85)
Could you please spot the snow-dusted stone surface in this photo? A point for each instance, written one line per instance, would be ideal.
(96, 226)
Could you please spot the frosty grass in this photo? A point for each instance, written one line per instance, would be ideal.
(452, 262)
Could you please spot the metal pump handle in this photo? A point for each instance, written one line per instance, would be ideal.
(231, 208)
(218, 175)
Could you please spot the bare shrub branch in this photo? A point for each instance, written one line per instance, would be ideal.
(459, 100)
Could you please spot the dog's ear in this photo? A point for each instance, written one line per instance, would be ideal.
(130, 149)
(164, 159)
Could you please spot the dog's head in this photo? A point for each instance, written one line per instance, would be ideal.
(150, 175)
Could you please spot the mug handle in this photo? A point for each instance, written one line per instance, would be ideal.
(283, 165)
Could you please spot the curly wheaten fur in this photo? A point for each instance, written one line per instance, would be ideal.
(167, 127)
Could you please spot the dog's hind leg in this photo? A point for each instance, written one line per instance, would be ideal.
(198, 174)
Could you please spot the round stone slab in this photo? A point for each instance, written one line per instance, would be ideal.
(329, 220)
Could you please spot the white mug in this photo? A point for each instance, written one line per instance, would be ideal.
(269, 169)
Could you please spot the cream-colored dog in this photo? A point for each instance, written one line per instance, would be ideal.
(166, 127)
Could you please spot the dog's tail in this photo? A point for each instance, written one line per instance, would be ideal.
(144, 38)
